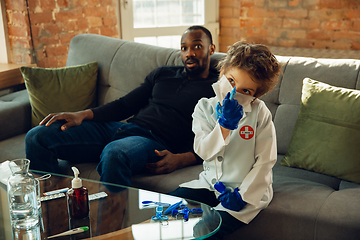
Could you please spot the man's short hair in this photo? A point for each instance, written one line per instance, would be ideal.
(204, 29)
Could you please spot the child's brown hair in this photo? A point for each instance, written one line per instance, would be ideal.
(257, 60)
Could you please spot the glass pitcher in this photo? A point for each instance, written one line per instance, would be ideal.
(22, 195)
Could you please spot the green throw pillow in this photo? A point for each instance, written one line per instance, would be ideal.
(326, 137)
(60, 89)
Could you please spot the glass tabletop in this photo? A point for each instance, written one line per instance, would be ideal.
(121, 214)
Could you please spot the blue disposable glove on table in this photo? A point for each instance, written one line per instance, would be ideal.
(230, 112)
(230, 200)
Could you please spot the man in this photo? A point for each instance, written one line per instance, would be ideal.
(158, 138)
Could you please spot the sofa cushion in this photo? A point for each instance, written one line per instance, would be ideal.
(338, 217)
(14, 114)
(298, 173)
(291, 214)
(115, 78)
(327, 132)
(337, 72)
(12, 148)
(61, 89)
(165, 183)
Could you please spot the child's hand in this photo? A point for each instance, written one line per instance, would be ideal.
(229, 199)
(230, 113)
(220, 187)
(232, 200)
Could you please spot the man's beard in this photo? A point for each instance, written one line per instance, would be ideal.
(200, 68)
(195, 72)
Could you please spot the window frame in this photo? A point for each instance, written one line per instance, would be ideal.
(128, 32)
(4, 35)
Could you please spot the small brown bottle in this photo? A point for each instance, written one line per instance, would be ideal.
(77, 198)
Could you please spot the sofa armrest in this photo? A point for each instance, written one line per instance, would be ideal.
(15, 114)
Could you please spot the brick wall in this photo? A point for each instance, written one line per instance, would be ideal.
(45, 38)
(332, 24)
(322, 24)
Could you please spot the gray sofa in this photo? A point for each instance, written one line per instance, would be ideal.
(306, 205)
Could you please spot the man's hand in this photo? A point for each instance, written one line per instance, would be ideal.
(170, 162)
(72, 118)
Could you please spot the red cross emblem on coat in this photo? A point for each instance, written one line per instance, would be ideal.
(246, 132)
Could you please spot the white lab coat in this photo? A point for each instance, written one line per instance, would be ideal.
(244, 159)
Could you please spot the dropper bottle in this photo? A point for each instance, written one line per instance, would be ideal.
(77, 198)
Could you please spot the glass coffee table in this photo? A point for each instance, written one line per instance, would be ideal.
(119, 215)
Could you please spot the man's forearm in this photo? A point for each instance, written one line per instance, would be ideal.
(188, 159)
(88, 114)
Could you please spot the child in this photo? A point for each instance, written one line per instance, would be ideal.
(235, 136)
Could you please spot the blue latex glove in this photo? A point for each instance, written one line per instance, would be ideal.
(220, 187)
(228, 199)
(230, 113)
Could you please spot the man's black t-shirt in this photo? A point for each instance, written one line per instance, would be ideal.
(163, 104)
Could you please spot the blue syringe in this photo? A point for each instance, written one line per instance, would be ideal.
(172, 207)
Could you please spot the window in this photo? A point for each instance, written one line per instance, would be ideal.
(161, 22)
(4, 43)
(160, 13)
